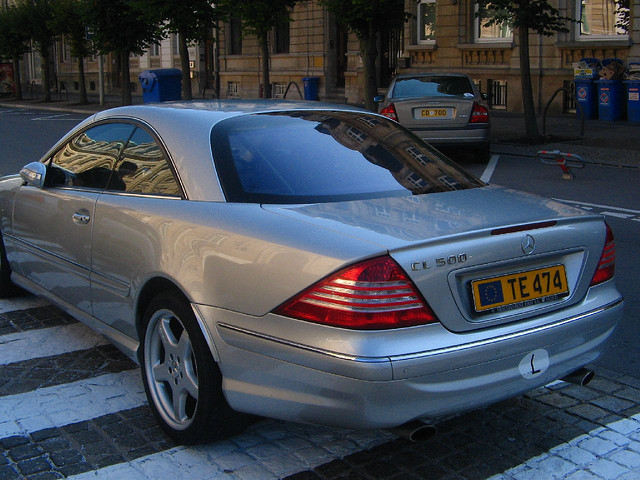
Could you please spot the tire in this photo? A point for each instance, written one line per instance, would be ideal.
(7, 287)
(182, 381)
(483, 154)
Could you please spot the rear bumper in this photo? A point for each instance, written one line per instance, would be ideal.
(277, 378)
(471, 137)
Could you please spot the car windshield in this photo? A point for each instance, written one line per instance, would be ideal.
(431, 86)
(321, 156)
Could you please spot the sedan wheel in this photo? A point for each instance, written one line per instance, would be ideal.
(182, 381)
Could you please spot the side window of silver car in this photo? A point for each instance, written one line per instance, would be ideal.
(88, 159)
(144, 169)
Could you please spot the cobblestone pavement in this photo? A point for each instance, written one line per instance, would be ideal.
(77, 411)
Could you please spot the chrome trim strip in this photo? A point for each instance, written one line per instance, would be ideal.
(509, 336)
(54, 257)
(300, 346)
(428, 353)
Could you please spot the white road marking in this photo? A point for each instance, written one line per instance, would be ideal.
(52, 117)
(491, 166)
(607, 207)
(61, 405)
(616, 214)
(21, 303)
(46, 342)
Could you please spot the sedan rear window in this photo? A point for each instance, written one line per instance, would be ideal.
(320, 156)
(431, 86)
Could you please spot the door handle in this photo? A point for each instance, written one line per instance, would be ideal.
(81, 218)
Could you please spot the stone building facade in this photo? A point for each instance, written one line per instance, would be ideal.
(442, 35)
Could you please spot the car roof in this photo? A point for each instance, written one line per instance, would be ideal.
(185, 130)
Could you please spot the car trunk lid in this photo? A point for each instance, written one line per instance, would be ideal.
(458, 247)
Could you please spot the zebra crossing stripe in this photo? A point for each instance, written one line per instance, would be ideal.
(21, 303)
(46, 342)
(68, 403)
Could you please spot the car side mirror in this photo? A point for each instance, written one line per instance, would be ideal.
(34, 174)
(378, 98)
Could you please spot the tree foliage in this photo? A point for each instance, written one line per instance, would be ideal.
(122, 27)
(37, 17)
(525, 16)
(69, 19)
(14, 40)
(367, 19)
(192, 20)
(258, 18)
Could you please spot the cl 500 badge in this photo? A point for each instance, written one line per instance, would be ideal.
(440, 262)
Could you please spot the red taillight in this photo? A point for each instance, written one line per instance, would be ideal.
(607, 263)
(390, 111)
(479, 114)
(371, 295)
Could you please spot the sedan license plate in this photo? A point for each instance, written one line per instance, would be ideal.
(516, 290)
(435, 112)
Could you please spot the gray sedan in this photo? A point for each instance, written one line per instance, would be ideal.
(306, 262)
(444, 109)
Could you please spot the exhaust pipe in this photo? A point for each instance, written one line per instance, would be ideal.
(415, 431)
(580, 377)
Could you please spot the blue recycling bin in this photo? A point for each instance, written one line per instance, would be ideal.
(633, 100)
(311, 88)
(610, 100)
(161, 85)
(587, 97)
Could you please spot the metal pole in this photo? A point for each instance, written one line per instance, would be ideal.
(100, 78)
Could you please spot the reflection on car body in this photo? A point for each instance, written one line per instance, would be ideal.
(306, 262)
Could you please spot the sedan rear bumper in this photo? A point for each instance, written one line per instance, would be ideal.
(466, 136)
(275, 378)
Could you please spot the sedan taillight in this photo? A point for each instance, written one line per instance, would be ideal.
(607, 262)
(479, 114)
(371, 295)
(390, 111)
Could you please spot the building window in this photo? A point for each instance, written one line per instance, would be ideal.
(498, 32)
(279, 90)
(154, 50)
(426, 21)
(602, 19)
(232, 89)
(234, 42)
(176, 44)
(281, 38)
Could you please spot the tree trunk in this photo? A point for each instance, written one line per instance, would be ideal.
(264, 50)
(369, 52)
(46, 77)
(126, 88)
(82, 82)
(187, 94)
(530, 122)
(17, 80)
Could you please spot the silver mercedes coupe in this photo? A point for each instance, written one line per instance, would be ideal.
(306, 262)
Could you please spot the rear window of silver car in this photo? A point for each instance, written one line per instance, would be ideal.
(431, 86)
(320, 156)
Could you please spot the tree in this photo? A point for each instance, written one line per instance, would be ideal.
(368, 19)
(121, 27)
(258, 18)
(14, 41)
(525, 16)
(69, 19)
(192, 21)
(38, 13)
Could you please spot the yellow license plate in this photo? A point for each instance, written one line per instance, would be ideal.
(516, 290)
(434, 112)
